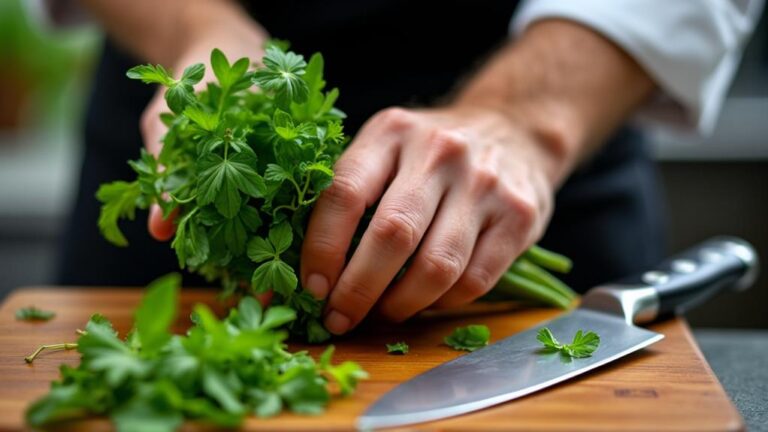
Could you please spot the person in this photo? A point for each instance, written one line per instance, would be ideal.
(468, 131)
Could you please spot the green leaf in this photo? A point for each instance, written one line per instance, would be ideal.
(206, 120)
(63, 402)
(179, 96)
(276, 173)
(151, 74)
(193, 74)
(157, 312)
(583, 344)
(316, 333)
(266, 403)
(346, 375)
(275, 275)
(397, 348)
(277, 316)
(549, 341)
(303, 390)
(145, 415)
(281, 237)
(282, 76)
(228, 76)
(220, 179)
(223, 389)
(259, 249)
(249, 313)
(469, 338)
(119, 200)
(191, 242)
(104, 353)
(32, 313)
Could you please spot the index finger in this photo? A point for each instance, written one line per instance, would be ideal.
(360, 176)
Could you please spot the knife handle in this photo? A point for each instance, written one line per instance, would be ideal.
(680, 282)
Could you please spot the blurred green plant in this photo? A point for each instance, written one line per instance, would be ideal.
(43, 68)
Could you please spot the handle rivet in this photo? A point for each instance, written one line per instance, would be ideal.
(655, 277)
(684, 266)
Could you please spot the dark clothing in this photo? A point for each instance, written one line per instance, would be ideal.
(379, 53)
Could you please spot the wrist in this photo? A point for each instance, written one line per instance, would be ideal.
(205, 25)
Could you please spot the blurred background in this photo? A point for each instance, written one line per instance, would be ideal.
(714, 185)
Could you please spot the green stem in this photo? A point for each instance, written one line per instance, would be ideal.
(548, 259)
(62, 346)
(516, 285)
(537, 274)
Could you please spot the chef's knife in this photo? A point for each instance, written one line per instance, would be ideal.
(517, 366)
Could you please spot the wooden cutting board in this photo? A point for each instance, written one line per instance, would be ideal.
(668, 386)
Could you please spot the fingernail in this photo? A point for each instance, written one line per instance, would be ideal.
(337, 323)
(317, 284)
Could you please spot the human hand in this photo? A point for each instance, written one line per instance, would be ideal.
(464, 189)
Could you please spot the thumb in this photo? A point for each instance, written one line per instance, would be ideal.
(161, 229)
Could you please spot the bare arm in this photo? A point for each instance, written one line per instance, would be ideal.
(466, 187)
(160, 31)
(567, 84)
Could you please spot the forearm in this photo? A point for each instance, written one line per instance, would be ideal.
(566, 84)
(162, 31)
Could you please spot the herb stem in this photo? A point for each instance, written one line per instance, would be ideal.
(535, 273)
(62, 346)
(548, 259)
(514, 284)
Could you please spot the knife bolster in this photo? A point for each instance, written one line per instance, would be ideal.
(636, 305)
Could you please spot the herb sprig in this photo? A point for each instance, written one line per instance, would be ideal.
(583, 344)
(219, 372)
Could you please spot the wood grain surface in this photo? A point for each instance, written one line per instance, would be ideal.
(668, 386)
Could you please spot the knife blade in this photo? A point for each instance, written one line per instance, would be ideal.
(517, 365)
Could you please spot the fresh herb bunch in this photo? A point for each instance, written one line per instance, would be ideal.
(242, 168)
(469, 338)
(241, 165)
(219, 372)
(583, 344)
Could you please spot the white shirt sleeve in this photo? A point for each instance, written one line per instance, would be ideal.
(691, 48)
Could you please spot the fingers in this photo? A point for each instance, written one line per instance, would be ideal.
(440, 261)
(360, 177)
(395, 231)
(152, 128)
(496, 249)
(161, 229)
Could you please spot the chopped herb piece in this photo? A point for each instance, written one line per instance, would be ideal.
(398, 348)
(583, 344)
(469, 338)
(32, 313)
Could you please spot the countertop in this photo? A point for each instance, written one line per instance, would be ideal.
(740, 360)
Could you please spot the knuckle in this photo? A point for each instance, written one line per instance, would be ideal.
(397, 229)
(322, 245)
(523, 209)
(484, 180)
(476, 283)
(442, 266)
(345, 190)
(355, 300)
(395, 118)
(446, 146)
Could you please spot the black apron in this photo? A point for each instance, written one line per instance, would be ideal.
(379, 53)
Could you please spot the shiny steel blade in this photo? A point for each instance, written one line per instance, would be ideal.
(508, 369)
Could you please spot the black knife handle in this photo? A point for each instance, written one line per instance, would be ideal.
(680, 282)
